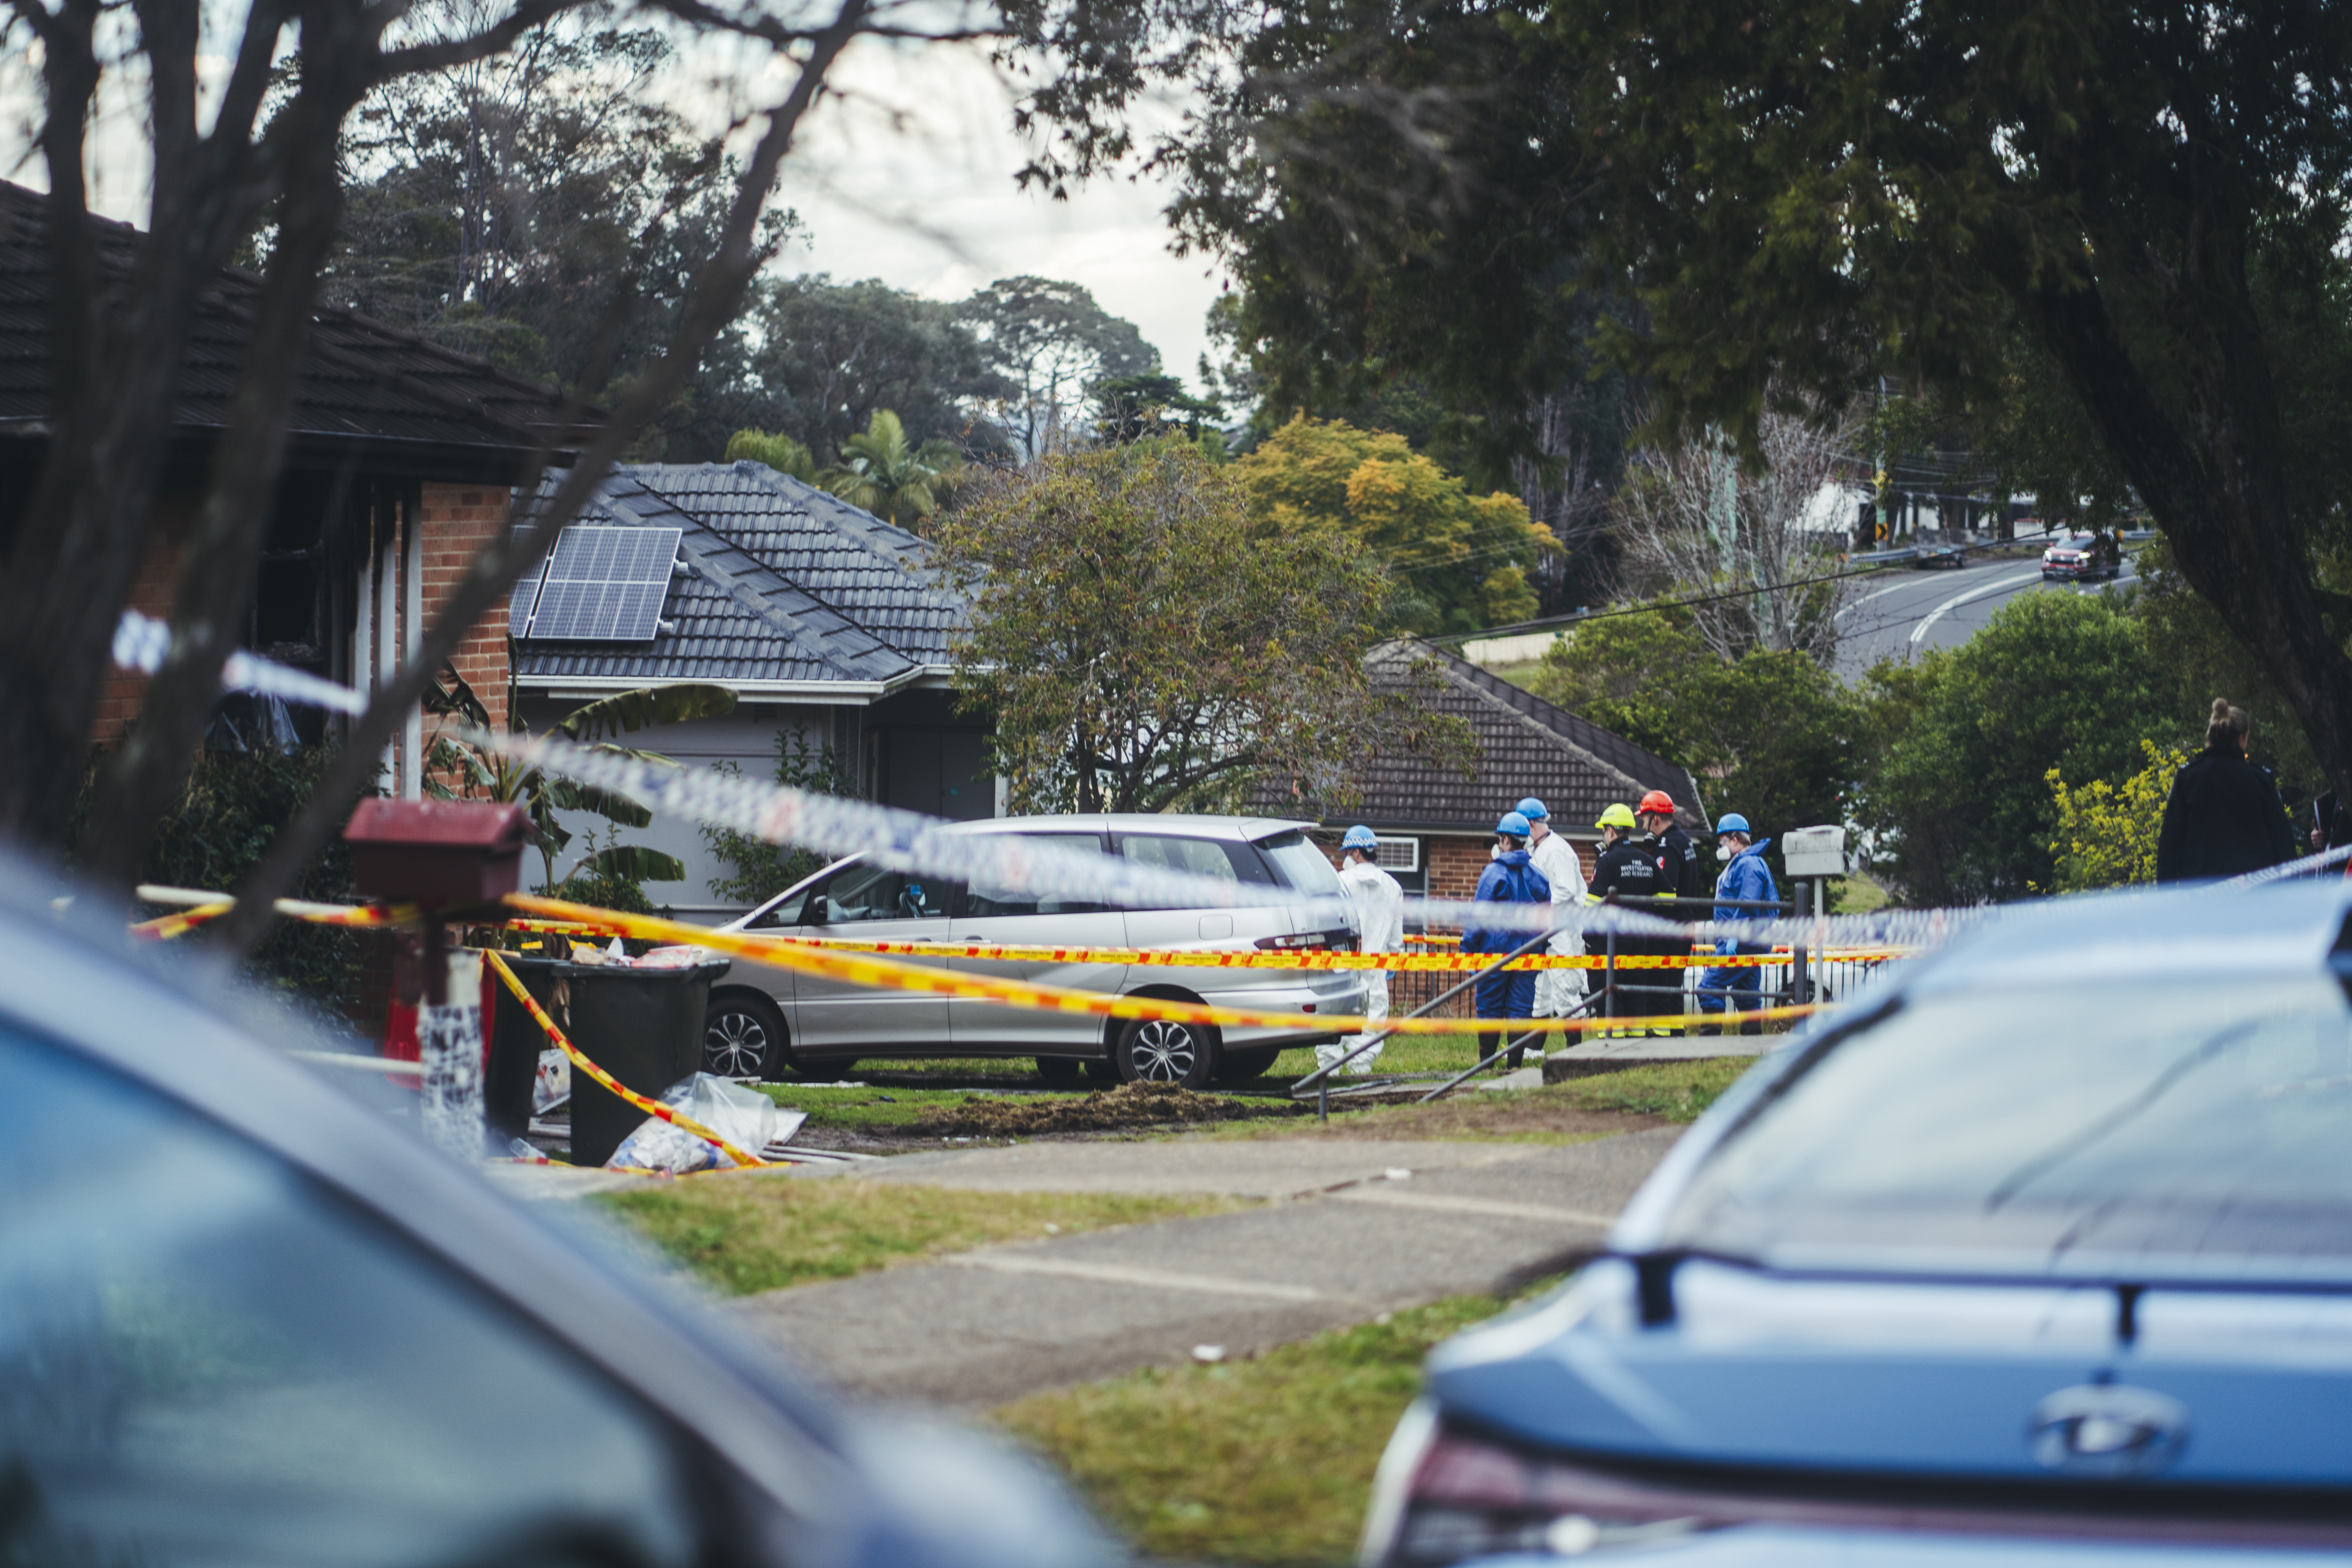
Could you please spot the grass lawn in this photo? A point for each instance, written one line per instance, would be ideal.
(1568, 1112)
(1265, 1461)
(858, 1106)
(747, 1233)
(1856, 894)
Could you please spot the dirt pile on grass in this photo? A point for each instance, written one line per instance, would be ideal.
(1131, 1105)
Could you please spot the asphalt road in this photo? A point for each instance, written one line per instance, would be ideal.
(1904, 615)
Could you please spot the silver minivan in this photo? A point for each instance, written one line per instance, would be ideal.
(765, 1019)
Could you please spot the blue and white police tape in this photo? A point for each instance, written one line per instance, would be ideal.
(908, 841)
(141, 642)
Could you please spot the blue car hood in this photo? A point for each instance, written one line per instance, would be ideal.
(1934, 1380)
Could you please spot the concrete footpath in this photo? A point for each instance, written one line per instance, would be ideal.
(1351, 1229)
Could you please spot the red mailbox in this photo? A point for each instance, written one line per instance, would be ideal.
(438, 851)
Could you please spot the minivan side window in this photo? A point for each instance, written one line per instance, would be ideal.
(1217, 859)
(858, 894)
(984, 901)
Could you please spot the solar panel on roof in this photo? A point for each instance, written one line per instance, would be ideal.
(602, 584)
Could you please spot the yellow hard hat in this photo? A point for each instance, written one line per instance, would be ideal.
(1618, 815)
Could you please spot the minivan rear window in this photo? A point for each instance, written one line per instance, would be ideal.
(1297, 863)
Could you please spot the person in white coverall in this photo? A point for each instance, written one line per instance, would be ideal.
(1380, 911)
(1557, 989)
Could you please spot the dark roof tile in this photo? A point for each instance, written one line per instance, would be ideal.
(1527, 747)
(789, 584)
(364, 381)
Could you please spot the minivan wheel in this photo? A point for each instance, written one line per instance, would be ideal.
(742, 1036)
(1155, 1050)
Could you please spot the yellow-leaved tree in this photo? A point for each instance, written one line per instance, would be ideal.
(2106, 832)
(1460, 560)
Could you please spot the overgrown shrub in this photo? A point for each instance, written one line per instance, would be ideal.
(2107, 833)
(234, 804)
(763, 869)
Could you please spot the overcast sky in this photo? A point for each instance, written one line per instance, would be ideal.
(907, 177)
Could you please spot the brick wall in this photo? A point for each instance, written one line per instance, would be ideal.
(456, 521)
(150, 594)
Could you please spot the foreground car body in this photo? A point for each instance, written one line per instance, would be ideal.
(245, 1320)
(824, 1024)
(2042, 1249)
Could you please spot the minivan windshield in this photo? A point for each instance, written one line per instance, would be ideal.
(2071, 1130)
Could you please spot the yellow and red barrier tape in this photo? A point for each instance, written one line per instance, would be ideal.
(563, 1044)
(884, 973)
(166, 927)
(1248, 958)
(1174, 958)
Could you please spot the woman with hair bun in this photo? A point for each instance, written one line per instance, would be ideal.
(2224, 817)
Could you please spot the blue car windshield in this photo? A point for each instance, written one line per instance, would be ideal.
(2189, 1128)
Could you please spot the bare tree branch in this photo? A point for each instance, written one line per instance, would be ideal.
(717, 295)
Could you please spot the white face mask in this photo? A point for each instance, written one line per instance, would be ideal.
(1723, 851)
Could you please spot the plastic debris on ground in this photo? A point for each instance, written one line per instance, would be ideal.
(589, 956)
(553, 1087)
(744, 1116)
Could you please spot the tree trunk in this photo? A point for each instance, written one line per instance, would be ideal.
(2209, 479)
(217, 576)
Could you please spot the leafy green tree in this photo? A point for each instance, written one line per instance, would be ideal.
(1959, 746)
(544, 209)
(1461, 561)
(832, 355)
(890, 478)
(1770, 735)
(1044, 343)
(2107, 832)
(781, 453)
(2199, 660)
(1155, 403)
(1142, 642)
(2150, 193)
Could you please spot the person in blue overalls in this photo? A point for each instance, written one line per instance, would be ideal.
(1509, 879)
(1744, 877)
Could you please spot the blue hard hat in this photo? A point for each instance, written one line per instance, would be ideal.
(1513, 823)
(1360, 837)
(1533, 809)
(1732, 822)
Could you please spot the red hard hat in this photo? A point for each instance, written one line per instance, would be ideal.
(1657, 801)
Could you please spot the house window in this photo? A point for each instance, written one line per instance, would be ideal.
(289, 619)
(1398, 855)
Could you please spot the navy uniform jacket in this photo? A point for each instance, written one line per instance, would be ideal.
(2225, 818)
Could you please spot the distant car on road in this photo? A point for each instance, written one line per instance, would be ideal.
(763, 1019)
(245, 1319)
(2040, 1252)
(2083, 558)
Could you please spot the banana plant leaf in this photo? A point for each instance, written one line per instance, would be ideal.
(450, 694)
(563, 794)
(628, 711)
(633, 863)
